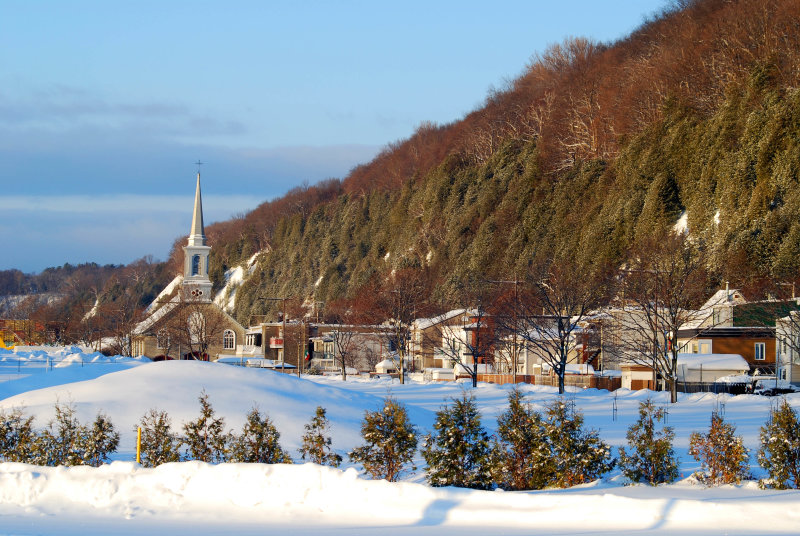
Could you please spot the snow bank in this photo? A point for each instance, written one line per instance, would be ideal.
(310, 497)
(174, 386)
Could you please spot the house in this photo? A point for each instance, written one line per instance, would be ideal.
(787, 332)
(692, 368)
(427, 347)
(184, 322)
(735, 326)
(534, 346)
(314, 345)
(708, 368)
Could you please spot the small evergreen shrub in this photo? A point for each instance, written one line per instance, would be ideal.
(205, 439)
(159, 443)
(391, 441)
(259, 442)
(651, 458)
(61, 443)
(316, 446)
(780, 448)
(101, 440)
(458, 453)
(17, 437)
(521, 452)
(722, 455)
(578, 456)
(67, 442)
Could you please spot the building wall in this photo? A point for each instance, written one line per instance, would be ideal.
(147, 344)
(745, 347)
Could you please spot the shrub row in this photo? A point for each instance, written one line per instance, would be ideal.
(531, 449)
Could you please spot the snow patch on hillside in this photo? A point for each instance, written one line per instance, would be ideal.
(234, 277)
(168, 290)
(92, 311)
(682, 225)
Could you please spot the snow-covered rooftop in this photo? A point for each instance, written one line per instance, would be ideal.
(733, 362)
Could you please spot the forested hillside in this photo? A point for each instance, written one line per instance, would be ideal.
(592, 147)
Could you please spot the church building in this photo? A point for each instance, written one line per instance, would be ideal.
(184, 322)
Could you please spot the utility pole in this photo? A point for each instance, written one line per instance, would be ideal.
(515, 321)
(283, 331)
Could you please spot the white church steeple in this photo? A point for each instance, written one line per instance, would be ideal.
(196, 284)
(197, 235)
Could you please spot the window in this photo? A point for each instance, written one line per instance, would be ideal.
(228, 339)
(196, 265)
(162, 339)
(761, 348)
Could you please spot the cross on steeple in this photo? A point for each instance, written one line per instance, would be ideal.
(198, 164)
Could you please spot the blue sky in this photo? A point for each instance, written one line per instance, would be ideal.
(104, 105)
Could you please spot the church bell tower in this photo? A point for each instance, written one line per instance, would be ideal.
(196, 284)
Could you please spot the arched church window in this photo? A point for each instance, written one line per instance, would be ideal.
(195, 264)
(228, 339)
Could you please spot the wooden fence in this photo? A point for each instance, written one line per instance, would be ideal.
(570, 380)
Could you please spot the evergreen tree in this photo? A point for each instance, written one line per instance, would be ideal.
(780, 448)
(458, 454)
(63, 441)
(317, 443)
(159, 443)
(577, 455)
(17, 437)
(521, 454)
(652, 458)
(100, 441)
(205, 438)
(391, 441)
(722, 455)
(259, 442)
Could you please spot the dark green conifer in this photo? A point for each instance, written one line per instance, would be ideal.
(651, 458)
(259, 442)
(100, 441)
(578, 455)
(17, 437)
(458, 453)
(390, 441)
(205, 439)
(317, 443)
(159, 443)
(521, 452)
(780, 448)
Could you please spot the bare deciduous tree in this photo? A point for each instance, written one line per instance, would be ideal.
(663, 288)
(559, 295)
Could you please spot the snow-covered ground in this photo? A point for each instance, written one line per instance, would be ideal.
(197, 498)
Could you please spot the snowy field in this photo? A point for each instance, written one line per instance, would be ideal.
(304, 499)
